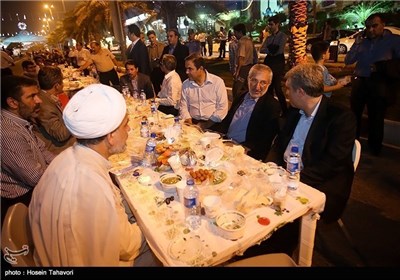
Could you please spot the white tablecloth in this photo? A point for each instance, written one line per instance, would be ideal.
(164, 226)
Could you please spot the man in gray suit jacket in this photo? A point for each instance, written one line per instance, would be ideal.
(50, 126)
(136, 81)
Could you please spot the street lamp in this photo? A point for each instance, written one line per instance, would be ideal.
(49, 7)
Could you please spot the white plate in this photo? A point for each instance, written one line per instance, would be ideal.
(186, 248)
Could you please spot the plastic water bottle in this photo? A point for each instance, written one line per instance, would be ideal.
(293, 168)
(149, 157)
(142, 97)
(177, 126)
(192, 205)
(144, 129)
(154, 112)
(125, 91)
(135, 95)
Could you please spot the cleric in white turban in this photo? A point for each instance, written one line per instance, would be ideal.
(94, 111)
(76, 213)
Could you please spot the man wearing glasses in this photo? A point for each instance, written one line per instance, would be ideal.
(179, 51)
(253, 119)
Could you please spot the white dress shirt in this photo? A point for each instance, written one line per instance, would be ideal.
(76, 214)
(171, 88)
(206, 102)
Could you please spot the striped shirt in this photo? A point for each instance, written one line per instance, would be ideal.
(24, 157)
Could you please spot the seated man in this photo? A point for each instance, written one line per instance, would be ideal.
(29, 69)
(204, 99)
(50, 126)
(325, 134)
(253, 119)
(136, 81)
(76, 213)
(24, 157)
(171, 87)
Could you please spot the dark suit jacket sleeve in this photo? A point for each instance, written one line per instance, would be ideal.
(144, 83)
(263, 127)
(331, 148)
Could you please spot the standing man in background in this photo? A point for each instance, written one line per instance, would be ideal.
(155, 50)
(274, 47)
(82, 55)
(178, 50)
(210, 43)
(137, 51)
(222, 42)
(104, 61)
(245, 58)
(376, 53)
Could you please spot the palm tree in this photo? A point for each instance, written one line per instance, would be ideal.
(356, 15)
(298, 32)
(91, 20)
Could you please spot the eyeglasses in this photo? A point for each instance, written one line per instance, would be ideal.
(254, 81)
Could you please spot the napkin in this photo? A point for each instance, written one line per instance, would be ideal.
(213, 155)
(171, 134)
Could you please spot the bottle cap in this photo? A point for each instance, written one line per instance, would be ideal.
(295, 149)
(190, 182)
(153, 135)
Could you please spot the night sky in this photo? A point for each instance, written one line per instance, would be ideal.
(33, 10)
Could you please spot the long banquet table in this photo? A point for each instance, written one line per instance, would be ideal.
(163, 224)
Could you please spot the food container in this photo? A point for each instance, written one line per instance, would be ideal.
(169, 181)
(231, 224)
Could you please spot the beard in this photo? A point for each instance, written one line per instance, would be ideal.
(26, 112)
(117, 149)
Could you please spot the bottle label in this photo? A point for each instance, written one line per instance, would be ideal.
(149, 148)
(293, 164)
(189, 202)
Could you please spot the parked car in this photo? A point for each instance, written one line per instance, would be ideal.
(346, 42)
(342, 33)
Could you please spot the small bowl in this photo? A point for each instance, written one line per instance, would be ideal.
(231, 224)
(169, 181)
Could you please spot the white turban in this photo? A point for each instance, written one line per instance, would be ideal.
(94, 111)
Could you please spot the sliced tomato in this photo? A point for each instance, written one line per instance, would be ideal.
(263, 221)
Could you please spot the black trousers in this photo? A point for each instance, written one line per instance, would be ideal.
(168, 110)
(222, 48)
(240, 84)
(370, 92)
(109, 77)
(277, 65)
(156, 77)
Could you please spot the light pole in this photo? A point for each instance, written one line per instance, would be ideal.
(49, 7)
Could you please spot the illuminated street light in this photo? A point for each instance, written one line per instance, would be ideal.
(47, 7)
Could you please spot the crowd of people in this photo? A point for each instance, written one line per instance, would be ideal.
(55, 156)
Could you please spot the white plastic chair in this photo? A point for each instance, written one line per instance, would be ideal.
(275, 259)
(16, 238)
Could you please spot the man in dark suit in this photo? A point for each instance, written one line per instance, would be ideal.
(325, 133)
(135, 80)
(137, 51)
(253, 119)
(179, 51)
